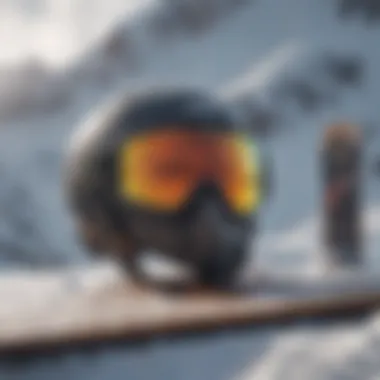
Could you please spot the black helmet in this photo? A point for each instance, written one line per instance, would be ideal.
(91, 161)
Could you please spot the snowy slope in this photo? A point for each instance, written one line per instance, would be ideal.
(261, 58)
(296, 62)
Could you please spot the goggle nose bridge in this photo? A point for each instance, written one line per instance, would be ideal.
(204, 189)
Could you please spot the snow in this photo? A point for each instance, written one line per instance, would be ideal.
(57, 31)
(253, 57)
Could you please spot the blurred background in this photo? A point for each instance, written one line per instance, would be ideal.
(291, 67)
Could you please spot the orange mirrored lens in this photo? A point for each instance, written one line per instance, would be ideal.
(161, 169)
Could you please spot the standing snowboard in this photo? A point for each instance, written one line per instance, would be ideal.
(341, 180)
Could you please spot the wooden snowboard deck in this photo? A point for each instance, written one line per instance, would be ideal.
(52, 309)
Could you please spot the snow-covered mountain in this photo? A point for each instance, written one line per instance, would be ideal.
(290, 66)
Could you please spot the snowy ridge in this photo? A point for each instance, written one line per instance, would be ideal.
(294, 79)
(102, 54)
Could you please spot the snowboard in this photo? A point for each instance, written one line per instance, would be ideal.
(97, 305)
(341, 168)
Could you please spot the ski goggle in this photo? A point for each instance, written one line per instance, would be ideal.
(159, 170)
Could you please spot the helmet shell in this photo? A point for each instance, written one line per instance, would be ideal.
(89, 173)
